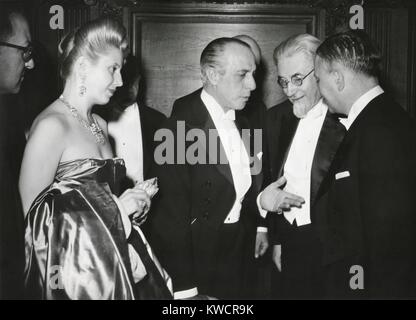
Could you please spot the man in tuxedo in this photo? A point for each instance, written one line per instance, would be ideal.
(366, 207)
(204, 225)
(302, 139)
(15, 59)
(132, 125)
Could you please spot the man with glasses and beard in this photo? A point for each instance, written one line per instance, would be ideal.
(15, 59)
(302, 139)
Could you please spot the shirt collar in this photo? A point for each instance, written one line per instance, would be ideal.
(132, 108)
(359, 105)
(214, 108)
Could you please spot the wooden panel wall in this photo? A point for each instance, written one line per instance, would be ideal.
(170, 40)
(388, 28)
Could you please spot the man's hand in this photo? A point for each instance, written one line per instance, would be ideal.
(262, 243)
(277, 256)
(274, 199)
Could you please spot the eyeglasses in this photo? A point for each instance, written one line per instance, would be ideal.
(296, 79)
(27, 51)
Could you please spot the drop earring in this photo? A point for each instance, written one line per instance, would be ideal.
(82, 88)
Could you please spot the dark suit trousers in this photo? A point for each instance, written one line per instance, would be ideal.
(301, 276)
(226, 280)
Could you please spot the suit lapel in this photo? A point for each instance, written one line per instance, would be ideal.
(248, 139)
(147, 151)
(330, 137)
(343, 149)
(203, 120)
(289, 125)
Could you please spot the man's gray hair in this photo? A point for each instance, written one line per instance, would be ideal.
(304, 42)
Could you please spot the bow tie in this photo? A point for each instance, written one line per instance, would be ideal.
(229, 115)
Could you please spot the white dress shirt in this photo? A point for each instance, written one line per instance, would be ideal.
(127, 135)
(359, 105)
(235, 152)
(298, 165)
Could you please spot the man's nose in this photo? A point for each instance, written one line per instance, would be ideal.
(118, 80)
(291, 89)
(30, 64)
(251, 83)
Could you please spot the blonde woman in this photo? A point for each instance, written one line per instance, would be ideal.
(80, 243)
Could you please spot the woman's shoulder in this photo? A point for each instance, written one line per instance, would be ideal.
(51, 121)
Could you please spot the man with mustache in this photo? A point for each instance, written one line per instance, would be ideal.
(302, 139)
(15, 59)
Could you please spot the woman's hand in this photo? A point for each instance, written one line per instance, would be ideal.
(136, 203)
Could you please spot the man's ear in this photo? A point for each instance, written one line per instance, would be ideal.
(338, 76)
(212, 75)
(339, 79)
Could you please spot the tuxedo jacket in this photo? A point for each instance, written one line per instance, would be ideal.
(366, 207)
(194, 201)
(151, 120)
(281, 126)
(12, 144)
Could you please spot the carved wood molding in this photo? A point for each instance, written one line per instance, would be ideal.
(313, 18)
(337, 11)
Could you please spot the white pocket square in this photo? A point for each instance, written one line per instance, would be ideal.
(260, 155)
(341, 175)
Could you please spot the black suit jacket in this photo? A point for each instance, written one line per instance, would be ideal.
(193, 203)
(281, 126)
(12, 144)
(151, 120)
(368, 217)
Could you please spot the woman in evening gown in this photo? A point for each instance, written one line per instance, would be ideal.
(79, 239)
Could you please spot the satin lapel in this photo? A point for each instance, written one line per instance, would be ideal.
(248, 139)
(273, 130)
(203, 121)
(339, 157)
(289, 125)
(329, 140)
(223, 168)
(147, 151)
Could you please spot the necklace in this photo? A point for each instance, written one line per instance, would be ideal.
(92, 127)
